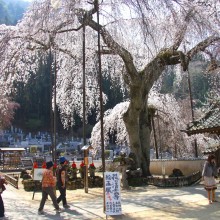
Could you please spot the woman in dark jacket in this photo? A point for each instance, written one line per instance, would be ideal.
(61, 182)
(208, 174)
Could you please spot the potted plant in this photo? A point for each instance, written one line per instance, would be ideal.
(81, 169)
(54, 167)
(35, 165)
(73, 170)
(44, 165)
(92, 169)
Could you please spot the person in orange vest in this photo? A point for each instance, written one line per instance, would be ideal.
(48, 183)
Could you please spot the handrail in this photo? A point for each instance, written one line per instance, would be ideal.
(11, 180)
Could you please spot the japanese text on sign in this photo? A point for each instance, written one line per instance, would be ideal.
(112, 193)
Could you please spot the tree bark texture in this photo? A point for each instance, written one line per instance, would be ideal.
(137, 121)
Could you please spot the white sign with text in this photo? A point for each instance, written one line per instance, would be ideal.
(112, 193)
(38, 173)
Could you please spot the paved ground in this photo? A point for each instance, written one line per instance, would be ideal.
(137, 203)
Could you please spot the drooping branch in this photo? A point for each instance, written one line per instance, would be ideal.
(116, 48)
(202, 46)
(170, 57)
(180, 33)
(65, 51)
(8, 64)
(44, 46)
(213, 61)
(85, 17)
(69, 30)
(165, 57)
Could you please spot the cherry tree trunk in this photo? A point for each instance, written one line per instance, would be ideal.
(137, 121)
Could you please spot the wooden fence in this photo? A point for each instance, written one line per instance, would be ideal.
(12, 179)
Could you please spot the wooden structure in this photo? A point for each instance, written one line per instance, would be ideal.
(214, 149)
(10, 158)
(13, 179)
(86, 149)
(209, 123)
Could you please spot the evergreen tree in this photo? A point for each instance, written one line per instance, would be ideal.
(12, 11)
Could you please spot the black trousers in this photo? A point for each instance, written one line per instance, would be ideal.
(2, 208)
(62, 196)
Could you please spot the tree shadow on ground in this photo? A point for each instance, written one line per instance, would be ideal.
(177, 203)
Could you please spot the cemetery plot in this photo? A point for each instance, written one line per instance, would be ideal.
(11, 157)
(27, 163)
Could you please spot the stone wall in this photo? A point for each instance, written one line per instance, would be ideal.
(160, 167)
(165, 167)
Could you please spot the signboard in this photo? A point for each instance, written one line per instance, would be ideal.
(112, 193)
(33, 149)
(38, 173)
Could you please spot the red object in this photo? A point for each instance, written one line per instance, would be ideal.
(82, 164)
(92, 165)
(55, 166)
(44, 165)
(73, 165)
(35, 165)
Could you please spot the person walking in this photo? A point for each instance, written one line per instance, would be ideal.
(48, 183)
(61, 181)
(2, 189)
(208, 174)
